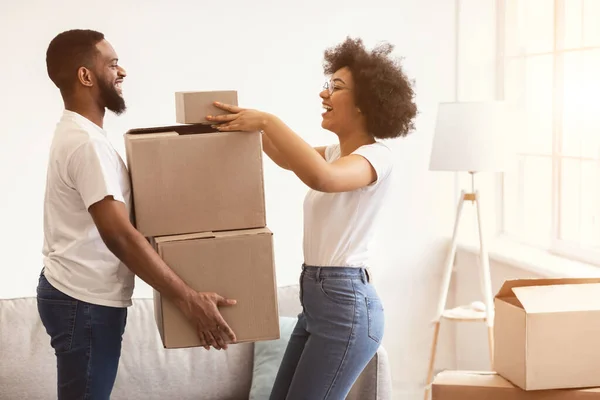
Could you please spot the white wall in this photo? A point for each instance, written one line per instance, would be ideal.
(272, 54)
(472, 338)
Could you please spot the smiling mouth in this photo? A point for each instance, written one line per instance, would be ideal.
(327, 108)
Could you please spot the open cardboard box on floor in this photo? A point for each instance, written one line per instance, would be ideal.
(191, 178)
(236, 265)
(547, 333)
(481, 385)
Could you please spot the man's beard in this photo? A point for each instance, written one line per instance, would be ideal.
(111, 98)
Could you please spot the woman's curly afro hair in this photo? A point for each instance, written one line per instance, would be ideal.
(383, 93)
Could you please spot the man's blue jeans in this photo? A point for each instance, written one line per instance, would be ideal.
(86, 339)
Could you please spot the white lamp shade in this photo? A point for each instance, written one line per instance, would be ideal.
(473, 136)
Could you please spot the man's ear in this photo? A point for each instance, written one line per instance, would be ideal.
(84, 76)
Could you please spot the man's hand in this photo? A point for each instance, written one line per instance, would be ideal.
(202, 310)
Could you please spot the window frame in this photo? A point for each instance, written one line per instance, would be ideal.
(555, 245)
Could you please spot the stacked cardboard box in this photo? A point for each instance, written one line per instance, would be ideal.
(545, 344)
(198, 195)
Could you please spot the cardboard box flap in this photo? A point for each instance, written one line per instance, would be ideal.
(152, 135)
(471, 378)
(559, 298)
(189, 236)
(189, 129)
(507, 288)
(212, 235)
(243, 232)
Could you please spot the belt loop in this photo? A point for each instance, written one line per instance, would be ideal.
(363, 275)
(318, 274)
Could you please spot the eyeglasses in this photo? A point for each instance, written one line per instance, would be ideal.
(332, 87)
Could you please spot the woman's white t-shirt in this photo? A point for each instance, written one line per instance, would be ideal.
(338, 227)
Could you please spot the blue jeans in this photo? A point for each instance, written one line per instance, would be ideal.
(337, 334)
(86, 339)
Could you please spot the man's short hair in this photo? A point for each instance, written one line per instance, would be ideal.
(69, 51)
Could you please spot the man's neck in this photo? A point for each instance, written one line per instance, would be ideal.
(89, 111)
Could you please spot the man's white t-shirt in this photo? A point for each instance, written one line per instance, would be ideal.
(338, 227)
(83, 168)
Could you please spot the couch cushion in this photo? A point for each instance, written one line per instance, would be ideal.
(149, 371)
(27, 364)
(289, 300)
(267, 359)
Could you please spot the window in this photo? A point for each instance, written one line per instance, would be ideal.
(549, 51)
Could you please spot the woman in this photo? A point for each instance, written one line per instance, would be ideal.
(342, 323)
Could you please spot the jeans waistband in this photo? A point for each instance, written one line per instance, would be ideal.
(335, 272)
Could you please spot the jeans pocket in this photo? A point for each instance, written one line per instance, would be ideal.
(376, 319)
(58, 317)
(301, 289)
(338, 290)
(44, 285)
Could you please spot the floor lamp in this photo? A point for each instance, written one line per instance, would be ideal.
(469, 138)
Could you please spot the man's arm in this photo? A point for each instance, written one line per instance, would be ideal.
(132, 248)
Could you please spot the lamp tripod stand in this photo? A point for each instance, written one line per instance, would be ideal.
(464, 314)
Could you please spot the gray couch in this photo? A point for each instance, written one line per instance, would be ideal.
(148, 371)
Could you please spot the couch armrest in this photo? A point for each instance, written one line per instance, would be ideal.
(375, 382)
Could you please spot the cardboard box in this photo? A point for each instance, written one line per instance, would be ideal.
(189, 179)
(475, 385)
(237, 265)
(547, 331)
(193, 107)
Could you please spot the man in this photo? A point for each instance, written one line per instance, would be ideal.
(91, 250)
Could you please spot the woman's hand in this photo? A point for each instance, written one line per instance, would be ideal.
(239, 119)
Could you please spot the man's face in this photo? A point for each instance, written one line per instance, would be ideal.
(109, 78)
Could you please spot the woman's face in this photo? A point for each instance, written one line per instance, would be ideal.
(341, 112)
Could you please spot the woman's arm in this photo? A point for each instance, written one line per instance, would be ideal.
(278, 158)
(274, 154)
(346, 174)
